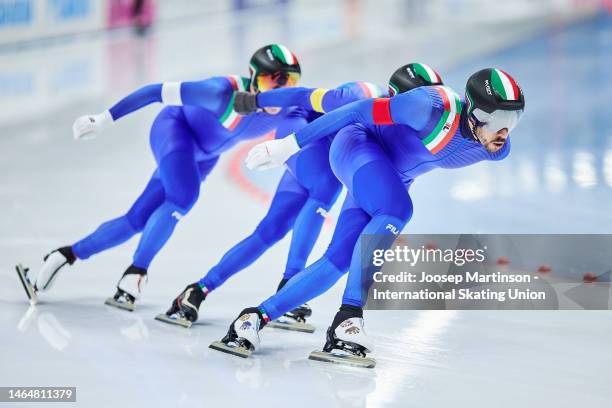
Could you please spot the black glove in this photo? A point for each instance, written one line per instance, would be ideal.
(245, 103)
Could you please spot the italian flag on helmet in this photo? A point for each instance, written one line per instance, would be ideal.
(427, 73)
(284, 54)
(504, 85)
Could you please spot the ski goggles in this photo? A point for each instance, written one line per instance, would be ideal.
(278, 79)
(497, 120)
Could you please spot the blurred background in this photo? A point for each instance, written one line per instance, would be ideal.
(63, 58)
(60, 59)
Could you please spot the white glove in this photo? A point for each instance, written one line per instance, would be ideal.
(89, 126)
(272, 153)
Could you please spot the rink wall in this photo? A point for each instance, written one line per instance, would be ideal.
(23, 21)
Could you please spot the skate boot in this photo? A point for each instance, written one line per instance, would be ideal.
(53, 263)
(184, 309)
(295, 320)
(346, 342)
(129, 288)
(242, 338)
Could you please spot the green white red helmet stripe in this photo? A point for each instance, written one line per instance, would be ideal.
(370, 90)
(253, 73)
(427, 72)
(449, 122)
(504, 85)
(393, 89)
(469, 102)
(283, 53)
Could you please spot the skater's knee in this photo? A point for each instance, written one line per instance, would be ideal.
(339, 254)
(272, 229)
(340, 260)
(400, 209)
(136, 221)
(184, 198)
(326, 191)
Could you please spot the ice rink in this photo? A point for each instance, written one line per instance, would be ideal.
(53, 191)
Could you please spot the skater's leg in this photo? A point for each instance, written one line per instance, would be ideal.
(390, 207)
(324, 273)
(180, 177)
(168, 133)
(314, 173)
(379, 191)
(107, 235)
(287, 202)
(119, 230)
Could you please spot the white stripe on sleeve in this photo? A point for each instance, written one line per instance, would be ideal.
(171, 93)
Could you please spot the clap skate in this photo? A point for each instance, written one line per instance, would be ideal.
(50, 270)
(129, 288)
(346, 344)
(184, 309)
(30, 290)
(294, 320)
(242, 337)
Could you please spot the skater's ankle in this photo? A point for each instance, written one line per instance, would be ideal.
(346, 312)
(133, 269)
(356, 311)
(68, 253)
(263, 316)
(203, 288)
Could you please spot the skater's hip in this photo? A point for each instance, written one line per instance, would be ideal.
(170, 133)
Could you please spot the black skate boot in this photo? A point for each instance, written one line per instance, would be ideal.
(242, 338)
(129, 288)
(184, 309)
(295, 320)
(346, 340)
(29, 288)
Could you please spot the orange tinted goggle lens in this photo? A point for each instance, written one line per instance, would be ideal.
(266, 82)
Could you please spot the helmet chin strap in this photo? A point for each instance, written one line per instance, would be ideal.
(468, 128)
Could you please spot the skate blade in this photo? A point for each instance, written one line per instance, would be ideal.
(119, 305)
(233, 350)
(27, 286)
(292, 326)
(162, 317)
(364, 362)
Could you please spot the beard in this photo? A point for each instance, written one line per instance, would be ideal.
(495, 145)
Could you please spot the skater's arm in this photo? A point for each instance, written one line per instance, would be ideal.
(210, 94)
(412, 108)
(283, 97)
(320, 100)
(295, 120)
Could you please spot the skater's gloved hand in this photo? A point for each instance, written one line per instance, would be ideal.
(272, 153)
(245, 103)
(89, 126)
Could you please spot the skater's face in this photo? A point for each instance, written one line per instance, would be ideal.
(279, 79)
(267, 82)
(492, 141)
